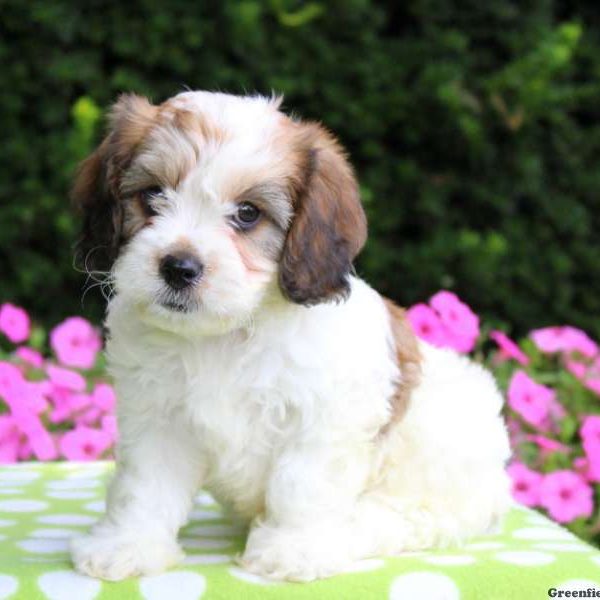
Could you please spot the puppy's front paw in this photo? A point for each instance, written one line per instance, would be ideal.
(114, 556)
(293, 554)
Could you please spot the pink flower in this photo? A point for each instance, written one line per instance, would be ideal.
(84, 443)
(564, 339)
(30, 356)
(66, 379)
(14, 323)
(426, 324)
(566, 496)
(103, 397)
(76, 343)
(40, 441)
(590, 435)
(577, 368)
(530, 399)
(9, 440)
(460, 322)
(547, 445)
(588, 469)
(109, 425)
(508, 348)
(525, 484)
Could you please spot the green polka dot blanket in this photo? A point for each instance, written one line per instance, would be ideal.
(43, 505)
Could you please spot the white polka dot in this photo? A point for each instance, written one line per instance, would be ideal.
(71, 495)
(44, 546)
(525, 558)
(8, 586)
(6, 523)
(424, 586)
(67, 519)
(581, 585)
(200, 514)
(184, 584)
(44, 559)
(216, 530)
(564, 547)
(86, 474)
(66, 585)
(205, 499)
(204, 543)
(543, 533)
(368, 564)
(207, 559)
(99, 506)
(8, 475)
(10, 491)
(22, 505)
(250, 577)
(72, 484)
(485, 546)
(55, 534)
(2, 536)
(450, 560)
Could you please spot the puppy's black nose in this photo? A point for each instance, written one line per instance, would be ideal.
(181, 270)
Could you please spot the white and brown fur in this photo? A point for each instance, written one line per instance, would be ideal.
(283, 384)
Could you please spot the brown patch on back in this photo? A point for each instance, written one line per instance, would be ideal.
(408, 358)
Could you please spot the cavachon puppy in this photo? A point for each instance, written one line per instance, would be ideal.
(248, 359)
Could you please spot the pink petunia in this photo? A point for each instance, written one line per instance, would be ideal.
(508, 348)
(531, 400)
(30, 356)
(103, 397)
(9, 440)
(590, 436)
(40, 441)
(566, 496)
(525, 484)
(84, 443)
(65, 378)
(426, 324)
(547, 445)
(14, 323)
(460, 323)
(576, 367)
(564, 339)
(89, 416)
(109, 425)
(588, 468)
(76, 343)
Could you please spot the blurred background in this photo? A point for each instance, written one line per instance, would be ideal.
(473, 126)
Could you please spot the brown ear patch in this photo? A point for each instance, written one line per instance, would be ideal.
(95, 191)
(329, 226)
(408, 358)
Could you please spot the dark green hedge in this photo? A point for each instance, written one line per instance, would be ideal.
(474, 127)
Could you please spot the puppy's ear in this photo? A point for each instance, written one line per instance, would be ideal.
(95, 192)
(329, 227)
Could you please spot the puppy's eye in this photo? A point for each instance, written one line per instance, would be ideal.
(147, 196)
(247, 215)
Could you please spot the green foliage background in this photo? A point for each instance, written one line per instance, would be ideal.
(474, 127)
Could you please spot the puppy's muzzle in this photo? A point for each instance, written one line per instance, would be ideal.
(181, 270)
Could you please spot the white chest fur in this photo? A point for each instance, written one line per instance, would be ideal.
(297, 373)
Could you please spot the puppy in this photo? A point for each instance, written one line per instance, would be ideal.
(249, 360)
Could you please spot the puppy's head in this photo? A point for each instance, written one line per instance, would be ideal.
(209, 204)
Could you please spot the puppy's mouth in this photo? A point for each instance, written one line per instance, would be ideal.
(176, 307)
(177, 302)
